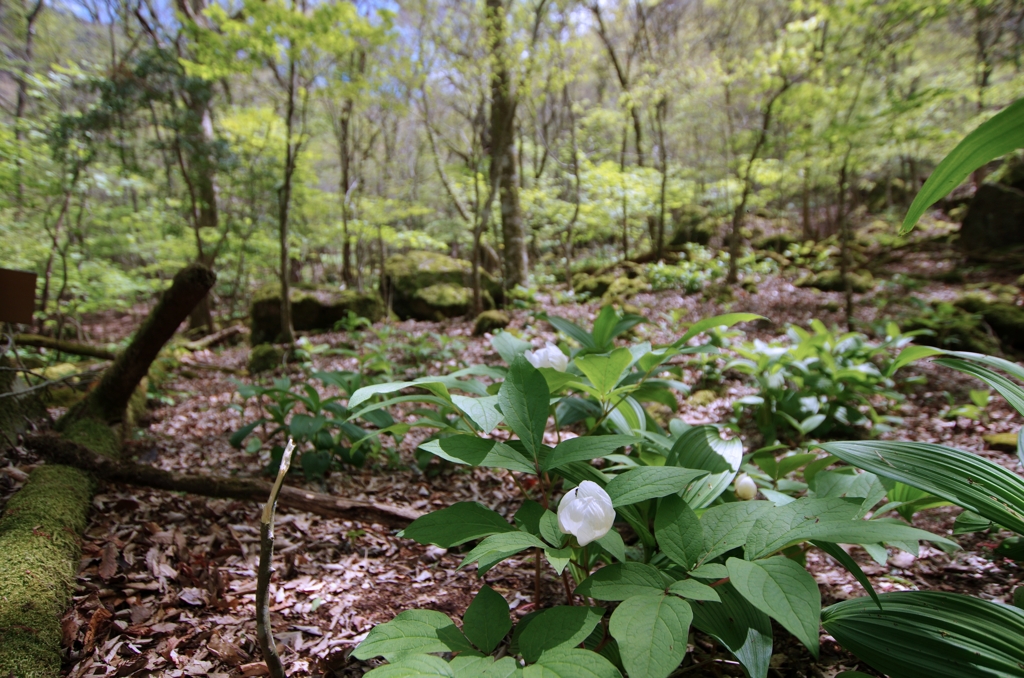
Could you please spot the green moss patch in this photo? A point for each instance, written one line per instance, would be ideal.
(318, 309)
(407, 277)
(39, 552)
(444, 300)
(832, 281)
(489, 321)
(264, 358)
(95, 435)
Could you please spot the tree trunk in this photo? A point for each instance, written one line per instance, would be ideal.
(503, 153)
(284, 195)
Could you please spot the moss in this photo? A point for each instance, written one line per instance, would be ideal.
(954, 328)
(318, 309)
(94, 434)
(692, 224)
(1006, 320)
(39, 553)
(16, 411)
(406, 275)
(593, 285)
(1001, 442)
(623, 288)
(702, 398)
(440, 301)
(264, 357)
(489, 321)
(778, 242)
(832, 281)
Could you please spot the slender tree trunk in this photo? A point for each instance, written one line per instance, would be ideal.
(576, 186)
(21, 77)
(805, 206)
(659, 247)
(503, 153)
(844, 241)
(283, 203)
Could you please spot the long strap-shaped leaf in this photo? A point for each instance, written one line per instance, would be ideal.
(930, 634)
(997, 136)
(963, 478)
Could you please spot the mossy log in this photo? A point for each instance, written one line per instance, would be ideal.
(39, 552)
(71, 347)
(59, 450)
(109, 400)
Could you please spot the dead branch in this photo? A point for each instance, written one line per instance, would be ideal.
(72, 347)
(57, 450)
(215, 338)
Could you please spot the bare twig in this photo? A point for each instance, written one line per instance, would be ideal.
(264, 632)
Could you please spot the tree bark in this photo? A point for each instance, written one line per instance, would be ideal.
(503, 120)
(107, 402)
(56, 449)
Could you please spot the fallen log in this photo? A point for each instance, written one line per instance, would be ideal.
(215, 338)
(72, 347)
(59, 450)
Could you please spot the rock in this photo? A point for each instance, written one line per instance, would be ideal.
(489, 321)
(832, 281)
(1006, 320)
(316, 309)
(692, 223)
(440, 301)
(777, 243)
(624, 288)
(1001, 442)
(264, 358)
(994, 221)
(408, 276)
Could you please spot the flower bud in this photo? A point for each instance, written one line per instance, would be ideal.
(549, 356)
(746, 488)
(586, 512)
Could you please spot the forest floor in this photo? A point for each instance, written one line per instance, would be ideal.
(167, 582)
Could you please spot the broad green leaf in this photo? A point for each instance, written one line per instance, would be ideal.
(604, 325)
(558, 558)
(412, 632)
(509, 346)
(498, 547)
(465, 666)
(997, 136)
(613, 544)
(367, 392)
(782, 589)
(1013, 393)
(585, 448)
(726, 526)
(651, 630)
(604, 371)
(558, 380)
(725, 320)
(486, 621)
(710, 571)
(694, 590)
(238, 436)
(930, 634)
(650, 482)
(960, 477)
(911, 354)
(833, 520)
(523, 399)
(679, 531)
(556, 628)
(468, 449)
(305, 426)
(415, 666)
(481, 410)
(573, 330)
(701, 447)
(456, 524)
(574, 663)
(851, 565)
(550, 531)
(969, 521)
(739, 626)
(529, 515)
(623, 580)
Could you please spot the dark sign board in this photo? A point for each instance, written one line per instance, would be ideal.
(17, 296)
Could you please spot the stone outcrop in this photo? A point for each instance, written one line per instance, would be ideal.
(316, 309)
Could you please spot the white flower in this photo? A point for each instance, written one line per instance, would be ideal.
(586, 512)
(746, 488)
(549, 356)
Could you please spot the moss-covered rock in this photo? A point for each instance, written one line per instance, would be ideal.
(777, 242)
(39, 552)
(593, 285)
(440, 301)
(1001, 442)
(953, 328)
(489, 321)
(16, 411)
(623, 288)
(702, 398)
(692, 224)
(1006, 320)
(406, 275)
(264, 357)
(95, 435)
(832, 281)
(317, 309)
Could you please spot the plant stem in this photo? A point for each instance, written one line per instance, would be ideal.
(568, 588)
(536, 579)
(264, 632)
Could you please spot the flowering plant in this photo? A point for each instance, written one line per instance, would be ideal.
(696, 555)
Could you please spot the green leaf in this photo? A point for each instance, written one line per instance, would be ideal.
(481, 410)
(498, 547)
(1013, 393)
(604, 325)
(739, 626)
(416, 666)
(650, 482)
(457, 524)
(558, 380)
(962, 478)
(613, 544)
(574, 663)
(483, 667)
(784, 590)
(585, 448)
(573, 330)
(367, 392)
(701, 447)
(486, 621)
(726, 526)
(930, 634)
(560, 627)
(412, 632)
(725, 320)
(969, 521)
(833, 520)
(550, 531)
(241, 434)
(911, 354)
(997, 136)
(605, 371)
(623, 580)
(558, 558)
(847, 561)
(710, 571)
(694, 590)
(523, 399)
(468, 449)
(651, 630)
(679, 531)
(304, 426)
(509, 346)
